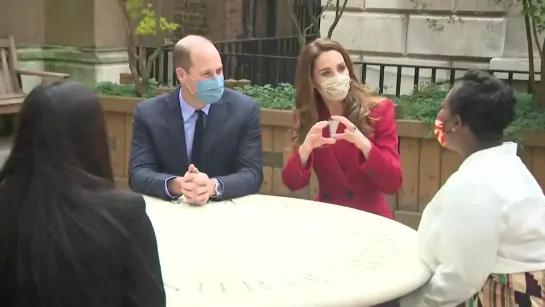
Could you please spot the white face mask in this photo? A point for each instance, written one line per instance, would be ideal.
(336, 88)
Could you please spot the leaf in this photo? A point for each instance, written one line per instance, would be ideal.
(423, 104)
(145, 19)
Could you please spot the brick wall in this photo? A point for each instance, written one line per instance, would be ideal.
(224, 20)
(191, 15)
(221, 19)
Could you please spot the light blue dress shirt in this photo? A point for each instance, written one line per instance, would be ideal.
(189, 117)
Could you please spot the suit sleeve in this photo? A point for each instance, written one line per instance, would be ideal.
(143, 175)
(143, 263)
(249, 161)
(383, 165)
(295, 175)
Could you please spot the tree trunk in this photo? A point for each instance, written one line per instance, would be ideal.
(248, 18)
(540, 87)
(530, 46)
(142, 87)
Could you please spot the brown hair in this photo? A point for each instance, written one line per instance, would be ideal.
(358, 101)
(181, 54)
(181, 57)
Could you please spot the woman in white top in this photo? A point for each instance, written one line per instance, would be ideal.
(483, 234)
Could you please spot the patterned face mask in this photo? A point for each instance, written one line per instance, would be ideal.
(439, 131)
(336, 87)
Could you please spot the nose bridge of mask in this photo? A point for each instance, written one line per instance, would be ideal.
(210, 84)
(334, 81)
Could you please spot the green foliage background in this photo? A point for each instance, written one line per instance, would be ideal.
(423, 104)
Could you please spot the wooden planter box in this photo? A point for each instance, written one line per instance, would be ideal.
(426, 166)
(119, 113)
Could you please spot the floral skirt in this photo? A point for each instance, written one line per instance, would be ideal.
(511, 290)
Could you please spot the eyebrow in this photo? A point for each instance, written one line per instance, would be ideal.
(212, 70)
(327, 68)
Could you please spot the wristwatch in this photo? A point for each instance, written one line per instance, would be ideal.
(217, 187)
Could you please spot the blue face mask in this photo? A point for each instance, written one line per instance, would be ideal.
(210, 90)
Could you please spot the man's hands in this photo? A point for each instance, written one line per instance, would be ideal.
(196, 187)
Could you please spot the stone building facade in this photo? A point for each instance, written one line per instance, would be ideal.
(86, 38)
(444, 33)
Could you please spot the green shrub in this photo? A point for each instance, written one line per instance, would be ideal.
(124, 90)
(281, 97)
(423, 104)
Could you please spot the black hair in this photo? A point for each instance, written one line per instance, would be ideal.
(484, 103)
(54, 189)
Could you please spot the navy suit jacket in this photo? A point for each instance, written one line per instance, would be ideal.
(231, 151)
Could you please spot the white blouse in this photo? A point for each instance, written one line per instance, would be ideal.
(489, 217)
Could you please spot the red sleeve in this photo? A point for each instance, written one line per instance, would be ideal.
(295, 175)
(382, 164)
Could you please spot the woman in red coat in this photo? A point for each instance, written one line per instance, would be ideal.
(359, 163)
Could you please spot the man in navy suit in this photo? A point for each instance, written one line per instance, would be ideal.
(201, 141)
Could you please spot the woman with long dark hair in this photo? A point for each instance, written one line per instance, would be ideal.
(67, 238)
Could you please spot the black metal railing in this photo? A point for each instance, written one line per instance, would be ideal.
(284, 46)
(273, 61)
(262, 60)
(259, 69)
(398, 79)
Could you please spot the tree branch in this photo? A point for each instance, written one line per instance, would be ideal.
(146, 68)
(315, 19)
(543, 51)
(531, 68)
(338, 15)
(293, 18)
(534, 27)
(131, 49)
(152, 58)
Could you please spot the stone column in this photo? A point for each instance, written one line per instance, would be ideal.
(84, 38)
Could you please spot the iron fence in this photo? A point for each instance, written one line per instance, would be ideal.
(273, 61)
(262, 61)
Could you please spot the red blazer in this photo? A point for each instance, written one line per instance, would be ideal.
(345, 177)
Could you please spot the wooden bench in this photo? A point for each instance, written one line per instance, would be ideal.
(11, 91)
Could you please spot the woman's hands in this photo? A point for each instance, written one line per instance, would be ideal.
(314, 139)
(353, 135)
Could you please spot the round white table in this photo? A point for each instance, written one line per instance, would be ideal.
(265, 251)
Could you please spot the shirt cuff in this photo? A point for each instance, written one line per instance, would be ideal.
(220, 188)
(167, 193)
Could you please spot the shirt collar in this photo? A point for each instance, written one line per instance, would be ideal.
(188, 110)
(507, 149)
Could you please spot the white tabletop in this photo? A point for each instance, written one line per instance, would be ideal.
(265, 251)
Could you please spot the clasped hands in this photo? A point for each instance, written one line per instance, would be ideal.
(195, 186)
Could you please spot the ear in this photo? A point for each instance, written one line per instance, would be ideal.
(180, 73)
(457, 123)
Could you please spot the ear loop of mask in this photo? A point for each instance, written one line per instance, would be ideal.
(194, 94)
